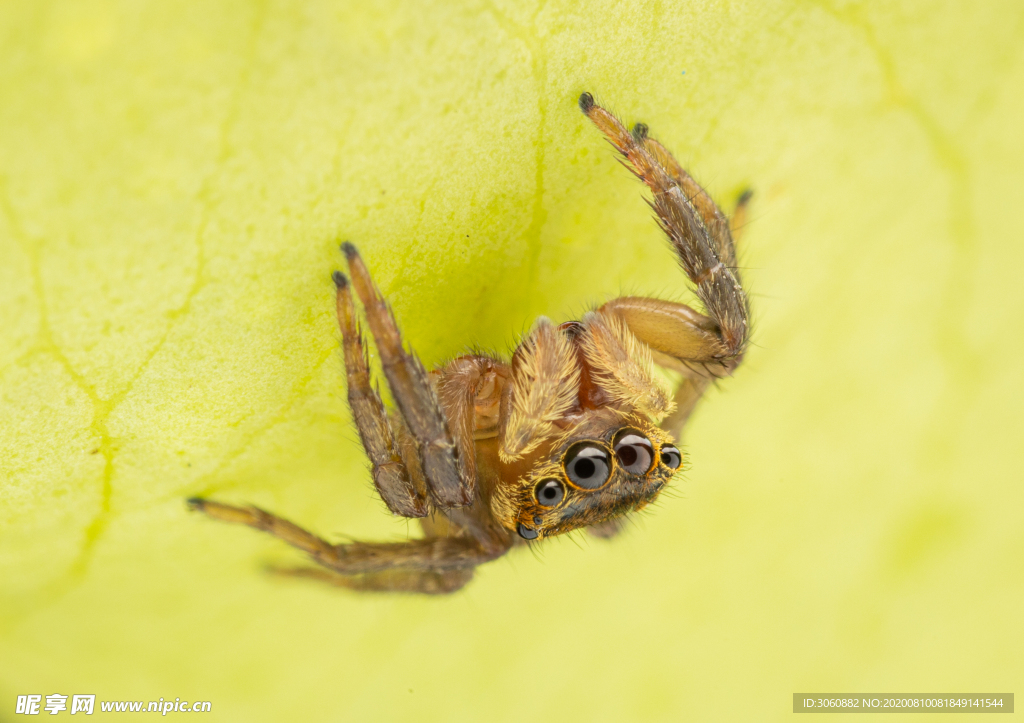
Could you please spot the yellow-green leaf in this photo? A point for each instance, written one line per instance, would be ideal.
(174, 181)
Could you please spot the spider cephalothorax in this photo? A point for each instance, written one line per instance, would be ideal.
(575, 431)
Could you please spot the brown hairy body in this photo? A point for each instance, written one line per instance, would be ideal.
(575, 431)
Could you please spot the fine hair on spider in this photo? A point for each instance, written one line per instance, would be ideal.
(574, 431)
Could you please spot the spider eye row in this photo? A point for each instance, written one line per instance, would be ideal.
(588, 465)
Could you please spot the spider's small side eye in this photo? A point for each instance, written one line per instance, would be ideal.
(670, 457)
(526, 533)
(588, 465)
(635, 452)
(549, 492)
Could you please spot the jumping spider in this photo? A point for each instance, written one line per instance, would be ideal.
(574, 432)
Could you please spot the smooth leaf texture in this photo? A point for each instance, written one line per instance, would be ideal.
(174, 181)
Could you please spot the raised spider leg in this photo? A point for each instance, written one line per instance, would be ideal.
(698, 230)
(416, 581)
(448, 482)
(722, 230)
(356, 558)
(649, 318)
(699, 345)
(692, 386)
(390, 473)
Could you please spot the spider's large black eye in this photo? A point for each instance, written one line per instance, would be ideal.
(634, 451)
(549, 492)
(588, 465)
(670, 457)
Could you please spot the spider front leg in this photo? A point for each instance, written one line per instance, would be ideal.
(449, 481)
(391, 474)
(420, 460)
(701, 346)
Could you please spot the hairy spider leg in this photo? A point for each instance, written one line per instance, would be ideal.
(456, 539)
(448, 482)
(356, 558)
(390, 472)
(701, 346)
(699, 233)
(718, 226)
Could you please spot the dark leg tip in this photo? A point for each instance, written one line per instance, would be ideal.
(349, 249)
(747, 194)
(195, 503)
(640, 131)
(339, 279)
(586, 102)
